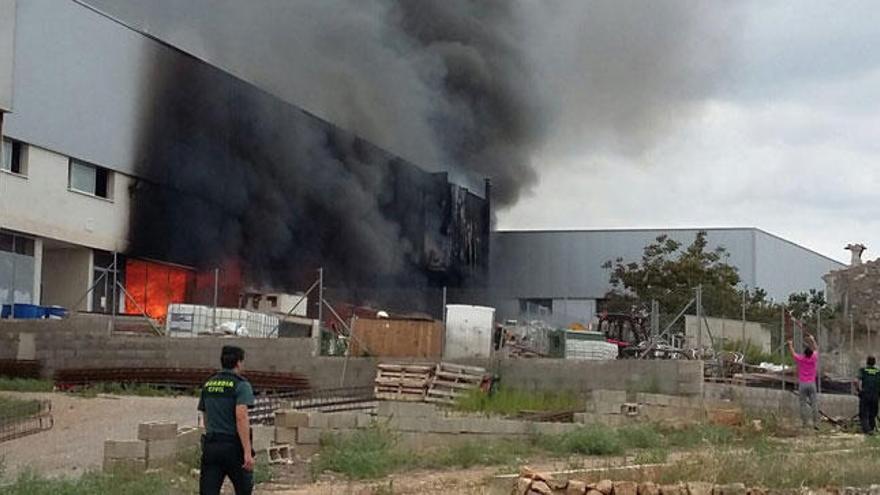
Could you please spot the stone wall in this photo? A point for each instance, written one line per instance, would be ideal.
(756, 400)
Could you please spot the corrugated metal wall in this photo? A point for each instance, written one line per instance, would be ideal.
(563, 265)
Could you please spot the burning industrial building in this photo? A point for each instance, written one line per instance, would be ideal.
(165, 168)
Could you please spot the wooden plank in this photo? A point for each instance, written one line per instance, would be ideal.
(461, 367)
(444, 393)
(463, 386)
(454, 377)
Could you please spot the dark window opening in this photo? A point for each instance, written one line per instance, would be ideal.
(12, 156)
(18, 244)
(90, 179)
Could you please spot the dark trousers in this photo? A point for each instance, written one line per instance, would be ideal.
(222, 457)
(868, 412)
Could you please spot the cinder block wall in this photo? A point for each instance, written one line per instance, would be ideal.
(85, 342)
(664, 377)
(762, 400)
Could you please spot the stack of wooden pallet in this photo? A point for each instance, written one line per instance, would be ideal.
(406, 382)
(452, 381)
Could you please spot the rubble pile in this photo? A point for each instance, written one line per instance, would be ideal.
(534, 483)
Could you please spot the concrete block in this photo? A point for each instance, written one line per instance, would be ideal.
(189, 438)
(407, 409)
(285, 435)
(157, 430)
(319, 420)
(446, 425)
(161, 449)
(308, 436)
(342, 420)
(511, 427)
(410, 424)
(554, 428)
(262, 436)
(363, 420)
(128, 449)
(126, 465)
(288, 418)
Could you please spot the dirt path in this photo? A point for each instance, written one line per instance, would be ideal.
(76, 443)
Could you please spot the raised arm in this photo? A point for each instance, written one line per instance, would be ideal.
(790, 347)
(811, 341)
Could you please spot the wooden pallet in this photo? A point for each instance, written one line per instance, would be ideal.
(452, 381)
(403, 382)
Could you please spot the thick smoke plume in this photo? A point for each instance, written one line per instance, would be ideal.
(476, 87)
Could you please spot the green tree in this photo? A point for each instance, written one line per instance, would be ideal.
(667, 273)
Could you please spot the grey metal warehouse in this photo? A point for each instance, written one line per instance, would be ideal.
(560, 271)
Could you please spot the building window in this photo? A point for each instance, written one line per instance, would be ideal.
(18, 244)
(90, 179)
(12, 157)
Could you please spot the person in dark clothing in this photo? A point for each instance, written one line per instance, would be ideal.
(226, 445)
(869, 393)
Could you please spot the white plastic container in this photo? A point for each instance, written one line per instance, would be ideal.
(190, 320)
(469, 331)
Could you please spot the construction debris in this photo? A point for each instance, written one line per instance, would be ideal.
(534, 483)
(452, 381)
(443, 383)
(403, 382)
(20, 368)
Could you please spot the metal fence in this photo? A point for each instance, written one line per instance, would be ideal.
(21, 418)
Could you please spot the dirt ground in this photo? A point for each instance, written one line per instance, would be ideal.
(76, 443)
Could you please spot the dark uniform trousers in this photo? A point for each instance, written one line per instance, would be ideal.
(868, 411)
(223, 456)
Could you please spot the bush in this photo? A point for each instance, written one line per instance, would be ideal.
(11, 408)
(590, 440)
(25, 385)
(92, 483)
(368, 453)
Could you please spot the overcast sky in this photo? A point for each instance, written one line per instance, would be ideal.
(779, 128)
(788, 143)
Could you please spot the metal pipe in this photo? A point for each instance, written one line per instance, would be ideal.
(142, 310)
(320, 298)
(666, 330)
(214, 307)
(782, 348)
(113, 295)
(699, 298)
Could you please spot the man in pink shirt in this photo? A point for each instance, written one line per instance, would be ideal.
(806, 365)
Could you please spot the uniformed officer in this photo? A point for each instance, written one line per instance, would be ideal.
(869, 392)
(226, 445)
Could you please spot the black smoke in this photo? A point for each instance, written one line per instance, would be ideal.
(229, 172)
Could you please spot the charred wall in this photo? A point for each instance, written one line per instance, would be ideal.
(229, 172)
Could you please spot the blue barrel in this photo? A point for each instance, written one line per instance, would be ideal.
(27, 312)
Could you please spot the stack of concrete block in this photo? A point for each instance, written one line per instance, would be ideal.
(618, 408)
(161, 443)
(129, 455)
(304, 429)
